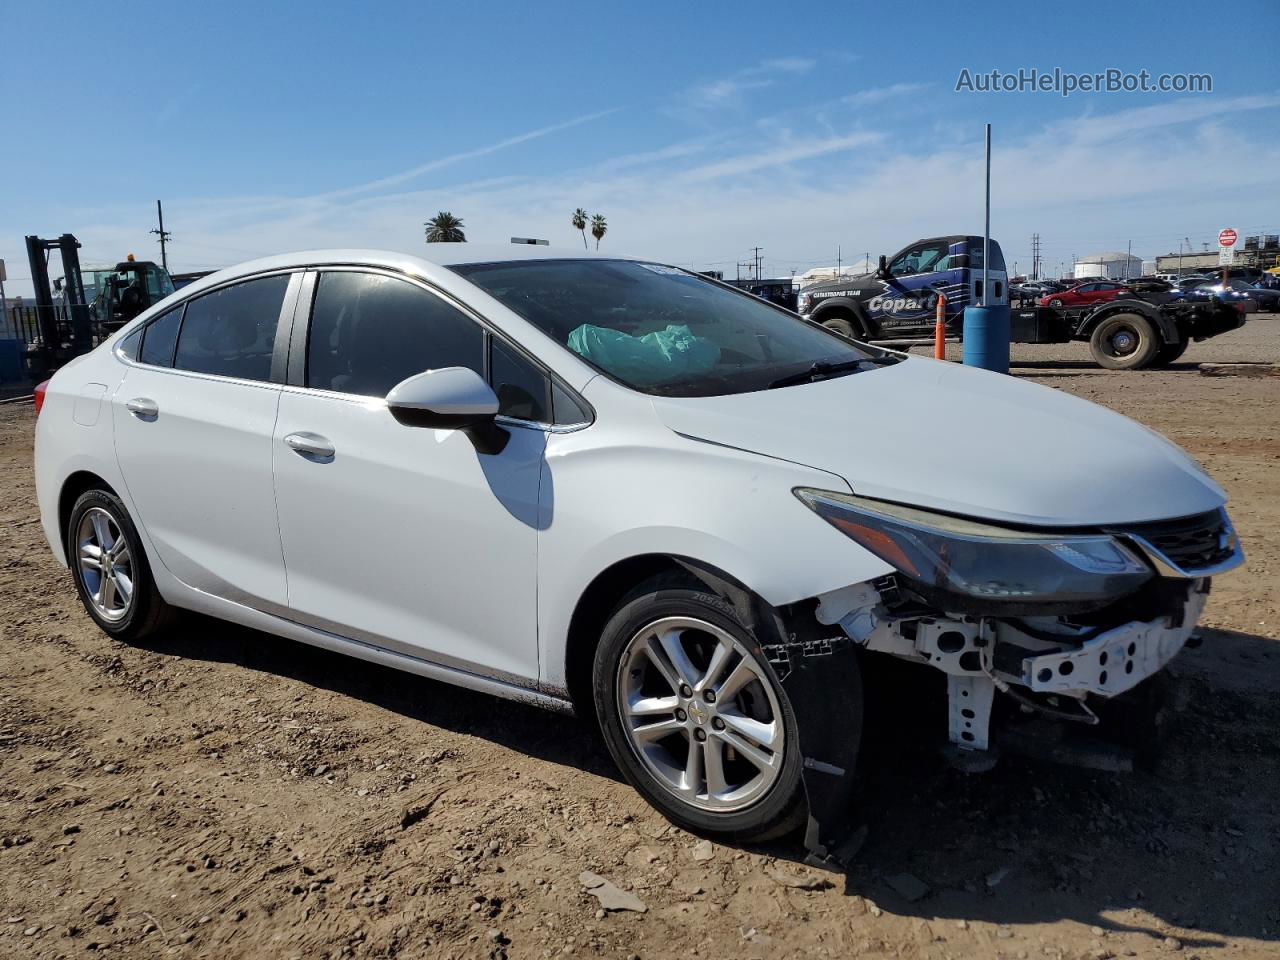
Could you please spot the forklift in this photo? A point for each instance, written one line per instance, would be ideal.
(72, 323)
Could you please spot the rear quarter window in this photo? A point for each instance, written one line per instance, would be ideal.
(159, 338)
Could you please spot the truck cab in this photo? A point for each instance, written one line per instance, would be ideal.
(898, 301)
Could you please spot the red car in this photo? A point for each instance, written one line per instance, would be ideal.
(1084, 294)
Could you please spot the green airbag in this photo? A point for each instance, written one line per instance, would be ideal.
(656, 357)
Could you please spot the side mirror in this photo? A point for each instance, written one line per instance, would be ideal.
(451, 398)
(883, 270)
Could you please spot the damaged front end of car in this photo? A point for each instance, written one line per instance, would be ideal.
(1054, 619)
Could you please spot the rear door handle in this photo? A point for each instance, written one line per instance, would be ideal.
(309, 444)
(144, 408)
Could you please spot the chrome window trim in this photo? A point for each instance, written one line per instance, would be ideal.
(291, 272)
(366, 400)
(467, 310)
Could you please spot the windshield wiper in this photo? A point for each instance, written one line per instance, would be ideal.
(821, 369)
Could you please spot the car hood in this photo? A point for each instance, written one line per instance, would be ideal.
(961, 440)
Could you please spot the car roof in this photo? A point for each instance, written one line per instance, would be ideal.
(431, 255)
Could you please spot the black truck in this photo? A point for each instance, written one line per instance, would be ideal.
(898, 302)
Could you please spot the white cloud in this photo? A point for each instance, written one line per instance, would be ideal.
(728, 91)
(705, 202)
(1097, 128)
(413, 173)
(776, 157)
(879, 94)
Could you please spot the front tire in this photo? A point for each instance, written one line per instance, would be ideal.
(110, 570)
(695, 718)
(841, 326)
(1124, 341)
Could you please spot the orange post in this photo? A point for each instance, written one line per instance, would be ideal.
(940, 329)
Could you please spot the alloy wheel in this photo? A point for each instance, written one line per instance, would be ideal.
(700, 713)
(106, 565)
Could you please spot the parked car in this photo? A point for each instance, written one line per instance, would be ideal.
(616, 487)
(1084, 294)
(1190, 283)
(1043, 288)
(1268, 300)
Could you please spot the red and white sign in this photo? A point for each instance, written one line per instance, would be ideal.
(1227, 237)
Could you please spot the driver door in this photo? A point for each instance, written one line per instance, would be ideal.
(908, 307)
(406, 538)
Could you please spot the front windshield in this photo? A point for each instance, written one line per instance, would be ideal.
(661, 330)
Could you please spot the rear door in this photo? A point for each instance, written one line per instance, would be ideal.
(1104, 291)
(193, 430)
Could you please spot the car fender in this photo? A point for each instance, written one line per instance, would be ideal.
(65, 446)
(837, 306)
(75, 434)
(1165, 326)
(694, 502)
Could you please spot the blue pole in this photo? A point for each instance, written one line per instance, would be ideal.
(986, 326)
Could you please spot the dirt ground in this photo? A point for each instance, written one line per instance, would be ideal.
(223, 793)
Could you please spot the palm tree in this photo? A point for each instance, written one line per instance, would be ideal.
(598, 229)
(444, 227)
(579, 222)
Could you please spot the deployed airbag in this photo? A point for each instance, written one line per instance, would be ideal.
(669, 354)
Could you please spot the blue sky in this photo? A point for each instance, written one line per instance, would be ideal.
(700, 131)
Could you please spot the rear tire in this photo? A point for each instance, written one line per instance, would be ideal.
(110, 570)
(1124, 341)
(1169, 353)
(701, 771)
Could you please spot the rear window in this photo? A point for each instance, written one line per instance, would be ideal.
(231, 332)
(975, 255)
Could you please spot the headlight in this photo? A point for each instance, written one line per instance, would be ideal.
(979, 560)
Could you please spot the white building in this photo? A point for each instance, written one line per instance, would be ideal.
(823, 274)
(1112, 264)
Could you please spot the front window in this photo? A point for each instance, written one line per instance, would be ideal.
(658, 329)
(370, 332)
(925, 258)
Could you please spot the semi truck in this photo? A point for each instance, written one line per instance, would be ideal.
(897, 303)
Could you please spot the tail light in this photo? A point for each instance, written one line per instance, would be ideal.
(39, 395)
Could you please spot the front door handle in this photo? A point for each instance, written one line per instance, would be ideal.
(144, 408)
(309, 445)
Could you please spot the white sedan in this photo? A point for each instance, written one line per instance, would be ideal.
(616, 487)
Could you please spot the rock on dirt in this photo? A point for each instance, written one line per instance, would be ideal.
(610, 896)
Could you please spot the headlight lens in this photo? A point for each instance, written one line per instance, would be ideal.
(980, 560)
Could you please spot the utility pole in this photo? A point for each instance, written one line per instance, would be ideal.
(1127, 260)
(756, 251)
(1035, 256)
(839, 262)
(164, 236)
